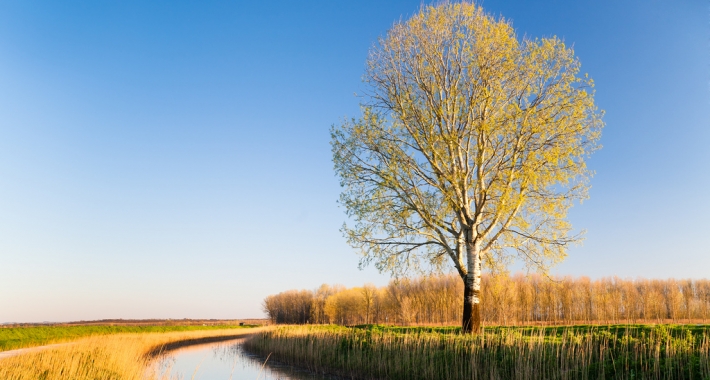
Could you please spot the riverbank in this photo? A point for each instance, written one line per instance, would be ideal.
(124, 356)
(12, 338)
(575, 352)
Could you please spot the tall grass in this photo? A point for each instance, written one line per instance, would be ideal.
(120, 356)
(611, 352)
(21, 337)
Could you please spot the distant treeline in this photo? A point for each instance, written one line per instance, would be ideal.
(506, 300)
(143, 322)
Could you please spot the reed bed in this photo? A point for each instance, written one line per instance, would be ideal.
(111, 357)
(22, 337)
(606, 352)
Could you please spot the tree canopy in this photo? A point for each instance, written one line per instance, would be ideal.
(471, 148)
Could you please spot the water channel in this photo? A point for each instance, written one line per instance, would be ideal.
(225, 361)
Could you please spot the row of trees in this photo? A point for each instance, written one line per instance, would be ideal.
(510, 300)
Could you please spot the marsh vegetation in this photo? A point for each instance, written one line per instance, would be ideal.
(20, 337)
(125, 356)
(580, 352)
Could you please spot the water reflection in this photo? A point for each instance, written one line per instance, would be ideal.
(225, 361)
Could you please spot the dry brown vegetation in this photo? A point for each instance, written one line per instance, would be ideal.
(509, 300)
(119, 356)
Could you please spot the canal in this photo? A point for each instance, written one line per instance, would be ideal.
(225, 361)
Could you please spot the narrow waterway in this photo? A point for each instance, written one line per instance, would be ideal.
(225, 361)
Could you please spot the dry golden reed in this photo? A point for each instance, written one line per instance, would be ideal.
(120, 356)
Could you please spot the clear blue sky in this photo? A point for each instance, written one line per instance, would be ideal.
(171, 159)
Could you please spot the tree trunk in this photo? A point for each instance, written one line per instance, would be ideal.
(471, 322)
(467, 323)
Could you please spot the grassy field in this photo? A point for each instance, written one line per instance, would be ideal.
(124, 356)
(21, 337)
(575, 352)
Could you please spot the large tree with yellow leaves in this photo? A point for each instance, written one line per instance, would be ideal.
(470, 151)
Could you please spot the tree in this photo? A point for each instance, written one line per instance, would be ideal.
(369, 292)
(471, 147)
(293, 306)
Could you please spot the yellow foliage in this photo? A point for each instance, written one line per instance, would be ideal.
(472, 146)
(346, 306)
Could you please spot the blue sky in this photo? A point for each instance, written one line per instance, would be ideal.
(171, 159)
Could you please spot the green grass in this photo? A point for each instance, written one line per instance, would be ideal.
(571, 352)
(21, 337)
(551, 332)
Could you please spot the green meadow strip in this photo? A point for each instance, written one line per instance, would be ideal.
(579, 352)
(21, 337)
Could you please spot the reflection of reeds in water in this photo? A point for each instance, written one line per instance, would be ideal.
(263, 365)
(225, 361)
(227, 352)
(533, 353)
(120, 356)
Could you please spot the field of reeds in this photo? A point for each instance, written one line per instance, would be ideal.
(125, 356)
(575, 352)
(20, 337)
